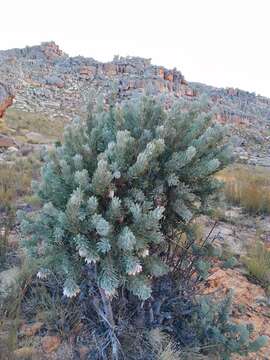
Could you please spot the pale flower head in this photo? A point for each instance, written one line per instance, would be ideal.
(137, 269)
(111, 194)
(71, 289)
(71, 293)
(42, 274)
(145, 253)
(82, 252)
(110, 294)
(90, 260)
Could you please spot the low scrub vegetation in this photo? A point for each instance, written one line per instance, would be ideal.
(12, 311)
(248, 187)
(15, 182)
(15, 179)
(26, 121)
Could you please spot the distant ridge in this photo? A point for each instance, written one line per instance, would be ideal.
(45, 79)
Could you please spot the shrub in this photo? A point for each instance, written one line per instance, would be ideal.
(249, 187)
(120, 196)
(207, 325)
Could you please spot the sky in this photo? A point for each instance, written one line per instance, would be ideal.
(222, 43)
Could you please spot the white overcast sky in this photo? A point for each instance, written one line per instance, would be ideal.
(217, 42)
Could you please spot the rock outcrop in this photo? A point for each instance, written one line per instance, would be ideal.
(6, 99)
(47, 80)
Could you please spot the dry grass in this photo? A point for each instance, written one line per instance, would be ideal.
(15, 182)
(248, 187)
(258, 263)
(165, 349)
(15, 179)
(22, 121)
(11, 311)
(162, 346)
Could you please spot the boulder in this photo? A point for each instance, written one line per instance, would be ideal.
(12, 150)
(36, 138)
(55, 80)
(26, 149)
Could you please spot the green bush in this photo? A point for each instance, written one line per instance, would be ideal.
(213, 331)
(120, 196)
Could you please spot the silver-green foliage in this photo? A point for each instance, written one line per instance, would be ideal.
(116, 187)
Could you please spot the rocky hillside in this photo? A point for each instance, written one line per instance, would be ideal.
(43, 79)
(249, 117)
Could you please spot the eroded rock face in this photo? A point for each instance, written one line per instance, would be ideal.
(6, 99)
